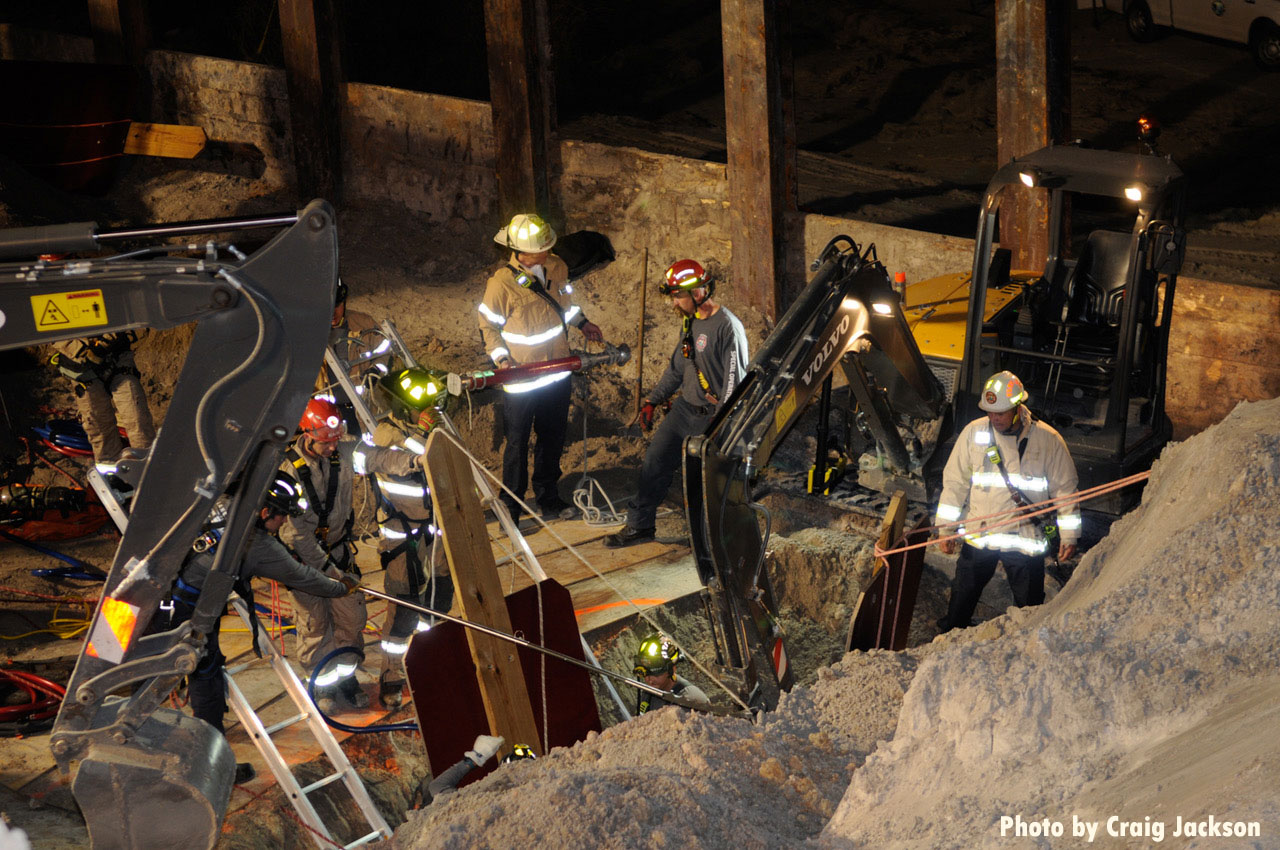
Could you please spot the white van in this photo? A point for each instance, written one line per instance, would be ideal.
(1252, 22)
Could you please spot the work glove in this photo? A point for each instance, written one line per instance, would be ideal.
(427, 420)
(484, 748)
(646, 415)
(351, 581)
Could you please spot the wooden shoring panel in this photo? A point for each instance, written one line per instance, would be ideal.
(316, 84)
(1033, 77)
(760, 139)
(478, 593)
(521, 98)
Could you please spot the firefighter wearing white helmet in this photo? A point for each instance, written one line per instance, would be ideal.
(525, 317)
(1004, 460)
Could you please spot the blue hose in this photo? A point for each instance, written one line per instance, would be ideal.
(343, 727)
(82, 569)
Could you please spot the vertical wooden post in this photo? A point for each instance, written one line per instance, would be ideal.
(121, 34)
(317, 93)
(760, 139)
(521, 98)
(1033, 55)
(479, 594)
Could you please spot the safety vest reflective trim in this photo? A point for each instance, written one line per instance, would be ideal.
(396, 488)
(532, 339)
(571, 312)
(536, 383)
(1069, 522)
(492, 317)
(113, 631)
(1009, 542)
(1022, 482)
(982, 438)
(498, 353)
(423, 625)
(328, 678)
(392, 534)
(345, 669)
(357, 462)
(948, 513)
(414, 446)
(394, 647)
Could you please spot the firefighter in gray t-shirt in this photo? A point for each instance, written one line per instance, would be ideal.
(706, 366)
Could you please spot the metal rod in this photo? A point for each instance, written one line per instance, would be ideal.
(207, 225)
(667, 696)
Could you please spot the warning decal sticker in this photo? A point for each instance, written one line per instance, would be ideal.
(66, 310)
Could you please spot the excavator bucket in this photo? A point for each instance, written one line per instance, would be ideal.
(167, 787)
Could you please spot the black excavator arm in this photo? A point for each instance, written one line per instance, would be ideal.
(848, 315)
(149, 776)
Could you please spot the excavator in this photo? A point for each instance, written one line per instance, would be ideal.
(1087, 334)
(148, 776)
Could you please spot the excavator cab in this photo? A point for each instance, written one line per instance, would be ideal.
(1089, 333)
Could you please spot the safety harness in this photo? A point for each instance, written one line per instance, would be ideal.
(1046, 524)
(413, 530)
(687, 349)
(534, 285)
(97, 360)
(322, 508)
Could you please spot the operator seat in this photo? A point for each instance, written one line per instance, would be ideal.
(1096, 288)
(1095, 305)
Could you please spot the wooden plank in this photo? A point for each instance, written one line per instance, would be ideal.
(867, 626)
(313, 73)
(478, 594)
(760, 138)
(520, 95)
(174, 140)
(1032, 109)
(568, 569)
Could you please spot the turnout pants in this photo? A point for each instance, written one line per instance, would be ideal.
(544, 413)
(662, 459)
(431, 588)
(324, 624)
(974, 569)
(103, 407)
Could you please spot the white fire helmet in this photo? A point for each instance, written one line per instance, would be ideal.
(1003, 392)
(527, 233)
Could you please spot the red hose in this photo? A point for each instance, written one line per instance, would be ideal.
(39, 708)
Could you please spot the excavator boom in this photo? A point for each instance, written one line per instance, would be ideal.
(847, 315)
(149, 776)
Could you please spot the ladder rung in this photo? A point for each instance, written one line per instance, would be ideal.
(376, 835)
(231, 671)
(271, 730)
(328, 780)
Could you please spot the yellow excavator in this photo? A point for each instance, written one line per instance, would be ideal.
(1088, 336)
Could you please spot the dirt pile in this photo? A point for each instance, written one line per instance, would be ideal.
(1145, 691)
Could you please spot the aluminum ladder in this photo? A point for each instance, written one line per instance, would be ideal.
(307, 713)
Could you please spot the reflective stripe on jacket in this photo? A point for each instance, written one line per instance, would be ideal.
(972, 485)
(518, 322)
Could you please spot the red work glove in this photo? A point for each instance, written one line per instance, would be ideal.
(646, 416)
(427, 420)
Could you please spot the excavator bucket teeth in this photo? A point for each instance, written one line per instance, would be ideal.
(167, 787)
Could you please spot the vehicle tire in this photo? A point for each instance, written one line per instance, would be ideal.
(1137, 18)
(1264, 44)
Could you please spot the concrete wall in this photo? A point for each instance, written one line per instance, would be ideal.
(434, 154)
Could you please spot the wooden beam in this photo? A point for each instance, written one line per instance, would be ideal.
(317, 86)
(478, 593)
(121, 34)
(521, 98)
(761, 145)
(1033, 55)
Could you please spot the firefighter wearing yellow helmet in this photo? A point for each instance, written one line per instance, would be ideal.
(525, 317)
(1004, 460)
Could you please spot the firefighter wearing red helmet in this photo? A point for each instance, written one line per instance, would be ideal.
(708, 362)
(1003, 460)
(324, 461)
